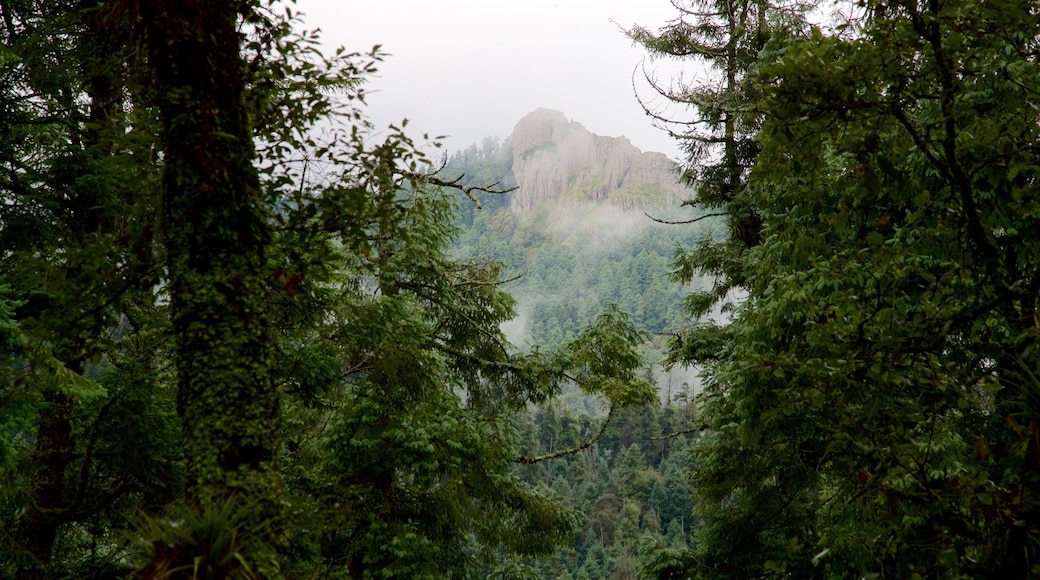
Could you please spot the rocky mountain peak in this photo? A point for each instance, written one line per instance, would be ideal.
(555, 158)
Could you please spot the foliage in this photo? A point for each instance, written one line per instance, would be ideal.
(870, 409)
(205, 543)
(277, 362)
(409, 448)
(728, 39)
(607, 361)
(76, 231)
(628, 486)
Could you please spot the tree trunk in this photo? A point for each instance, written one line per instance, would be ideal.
(55, 446)
(215, 229)
(48, 506)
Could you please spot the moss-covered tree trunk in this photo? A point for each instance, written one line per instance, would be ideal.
(215, 238)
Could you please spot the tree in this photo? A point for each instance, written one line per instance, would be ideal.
(729, 38)
(75, 232)
(407, 451)
(215, 236)
(733, 39)
(215, 227)
(268, 356)
(870, 409)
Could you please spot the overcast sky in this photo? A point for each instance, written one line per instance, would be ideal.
(473, 68)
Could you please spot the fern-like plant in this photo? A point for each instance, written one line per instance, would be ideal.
(204, 542)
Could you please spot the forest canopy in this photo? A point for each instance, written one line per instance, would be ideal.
(236, 339)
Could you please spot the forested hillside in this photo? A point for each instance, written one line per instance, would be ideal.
(569, 249)
(577, 229)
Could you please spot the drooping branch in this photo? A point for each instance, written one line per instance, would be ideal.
(698, 429)
(472, 282)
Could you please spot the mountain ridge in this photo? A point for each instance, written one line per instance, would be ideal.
(555, 159)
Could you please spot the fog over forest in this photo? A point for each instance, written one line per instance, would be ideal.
(571, 241)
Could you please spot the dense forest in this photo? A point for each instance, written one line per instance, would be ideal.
(244, 334)
(628, 485)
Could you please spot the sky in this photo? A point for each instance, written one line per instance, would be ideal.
(471, 69)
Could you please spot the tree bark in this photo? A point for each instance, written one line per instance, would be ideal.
(55, 446)
(215, 230)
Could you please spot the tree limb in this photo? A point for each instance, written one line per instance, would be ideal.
(585, 444)
(466, 189)
(674, 434)
(689, 221)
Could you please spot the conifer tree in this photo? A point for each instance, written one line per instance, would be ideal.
(728, 38)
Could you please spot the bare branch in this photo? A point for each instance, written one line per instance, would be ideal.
(697, 429)
(471, 282)
(585, 444)
(469, 190)
(689, 221)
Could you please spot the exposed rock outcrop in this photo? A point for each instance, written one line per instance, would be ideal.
(557, 159)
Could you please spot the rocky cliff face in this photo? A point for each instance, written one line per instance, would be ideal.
(556, 159)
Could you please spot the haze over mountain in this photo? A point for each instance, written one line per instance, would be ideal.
(572, 185)
(575, 231)
(555, 158)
